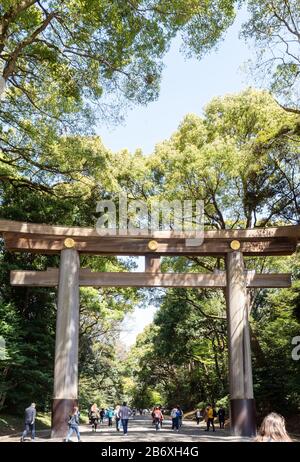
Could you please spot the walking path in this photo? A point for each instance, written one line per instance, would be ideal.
(141, 429)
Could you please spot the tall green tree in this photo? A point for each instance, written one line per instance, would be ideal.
(232, 159)
(63, 62)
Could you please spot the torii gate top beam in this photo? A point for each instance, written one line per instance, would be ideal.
(48, 239)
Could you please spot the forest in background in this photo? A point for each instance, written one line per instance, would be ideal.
(66, 63)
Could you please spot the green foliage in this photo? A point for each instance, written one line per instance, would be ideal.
(11, 424)
(145, 397)
(227, 159)
(274, 27)
(276, 375)
(223, 402)
(63, 62)
(180, 355)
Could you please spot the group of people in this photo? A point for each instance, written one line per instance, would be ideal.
(209, 414)
(121, 415)
(158, 417)
(272, 428)
(97, 416)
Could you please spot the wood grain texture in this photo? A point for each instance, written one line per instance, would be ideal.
(67, 327)
(139, 247)
(24, 228)
(111, 279)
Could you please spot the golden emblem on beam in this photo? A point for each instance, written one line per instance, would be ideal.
(69, 243)
(235, 245)
(152, 245)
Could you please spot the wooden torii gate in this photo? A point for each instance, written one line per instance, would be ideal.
(70, 242)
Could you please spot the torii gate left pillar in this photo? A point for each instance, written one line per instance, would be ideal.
(242, 404)
(65, 395)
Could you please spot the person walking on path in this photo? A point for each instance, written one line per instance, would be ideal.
(273, 429)
(94, 416)
(73, 424)
(102, 415)
(210, 418)
(158, 418)
(198, 416)
(109, 415)
(124, 415)
(175, 418)
(30, 414)
(117, 418)
(221, 417)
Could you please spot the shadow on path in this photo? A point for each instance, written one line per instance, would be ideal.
(141, 429)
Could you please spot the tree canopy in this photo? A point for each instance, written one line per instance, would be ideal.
(66, 63)
(274, 27)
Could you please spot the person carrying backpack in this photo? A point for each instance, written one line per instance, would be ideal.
(73, 424)
(158, 418)
(175, 418)
(94, 416)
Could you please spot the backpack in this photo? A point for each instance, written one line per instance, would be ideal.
(73, 420)
(215, 413)
(157, 414)
(174, 413)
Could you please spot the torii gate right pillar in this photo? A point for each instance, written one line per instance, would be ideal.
(242, 404)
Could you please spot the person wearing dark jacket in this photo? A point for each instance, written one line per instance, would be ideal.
(221, 417)
(102, 415)
(30, 414)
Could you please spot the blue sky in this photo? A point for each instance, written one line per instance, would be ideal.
(187, 86)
